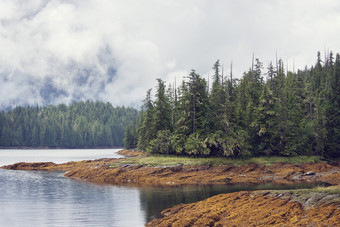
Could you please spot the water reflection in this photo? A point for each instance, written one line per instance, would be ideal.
(156, 199)
(33, 198)
(49, 199)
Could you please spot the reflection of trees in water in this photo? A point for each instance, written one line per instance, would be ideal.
(155, 199)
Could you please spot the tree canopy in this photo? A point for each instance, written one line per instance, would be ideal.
(80, 124)
(265, 112)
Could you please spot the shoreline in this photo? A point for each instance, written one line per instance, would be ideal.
(55, 148)
(251, 174)
(256, 208)
(109, 171)
(229, 208)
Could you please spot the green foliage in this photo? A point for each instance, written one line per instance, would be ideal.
(130, 138)
(266, 123)
(79, 124)
(196, 146)
(223, 144)
(177, 141)
(161, 144)
(288, 114)
(162, 110)
(146, 131)
(332, 111)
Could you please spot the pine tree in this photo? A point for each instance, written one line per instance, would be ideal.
(266, 123)
(332, 146)
(197, 100)
(218, 102)
(130, 138)
(146, 131)
(162, 110)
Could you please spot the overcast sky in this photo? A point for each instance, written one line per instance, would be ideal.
(113, 50)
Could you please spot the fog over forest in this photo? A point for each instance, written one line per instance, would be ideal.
(55, 51)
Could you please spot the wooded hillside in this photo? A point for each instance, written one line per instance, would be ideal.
(266, 112)
(79, 124)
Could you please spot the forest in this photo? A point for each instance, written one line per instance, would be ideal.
(80, 124)
(266, 112)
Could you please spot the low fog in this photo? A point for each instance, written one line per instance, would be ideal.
(62, 51)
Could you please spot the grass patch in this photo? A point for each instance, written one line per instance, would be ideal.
(328, 190)
(317, 193)
(289, 160)
(167, 160)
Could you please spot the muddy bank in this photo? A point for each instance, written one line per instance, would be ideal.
(252, 209)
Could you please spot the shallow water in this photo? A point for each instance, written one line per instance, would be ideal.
(36, 198)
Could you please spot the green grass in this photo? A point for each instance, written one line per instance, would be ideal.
(328, 190)
(164, 160)
(318, 193)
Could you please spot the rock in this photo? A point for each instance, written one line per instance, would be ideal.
(126, 165)
(248, 209)
(309, 173)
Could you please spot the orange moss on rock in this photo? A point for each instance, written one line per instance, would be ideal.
(204, 175)
(50, 166)
(248, 209)
(99, 171)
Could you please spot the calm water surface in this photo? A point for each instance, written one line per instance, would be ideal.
(36, 198)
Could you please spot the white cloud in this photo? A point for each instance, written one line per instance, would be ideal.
(114, 50)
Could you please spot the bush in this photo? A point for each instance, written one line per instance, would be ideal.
(161, 144)
(196, 146)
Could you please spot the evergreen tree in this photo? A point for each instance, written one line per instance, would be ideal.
(332, 146)
(146, 131)
(162, 110)
(66, 126)
(130, 138)
(266, 124)
(197, 99)
(218, 102)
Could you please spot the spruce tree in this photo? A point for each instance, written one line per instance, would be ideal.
(146, 131)
(162, 109)
(332, 146)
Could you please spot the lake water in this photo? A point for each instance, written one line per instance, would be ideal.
(37, 198)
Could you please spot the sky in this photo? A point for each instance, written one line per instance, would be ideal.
(58, 51)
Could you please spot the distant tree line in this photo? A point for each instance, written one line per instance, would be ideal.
(288, 113)
(80, 124)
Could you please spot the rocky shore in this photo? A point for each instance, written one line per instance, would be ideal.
(203, 175)
(234, 209)
(100, 171)
(264, 208)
